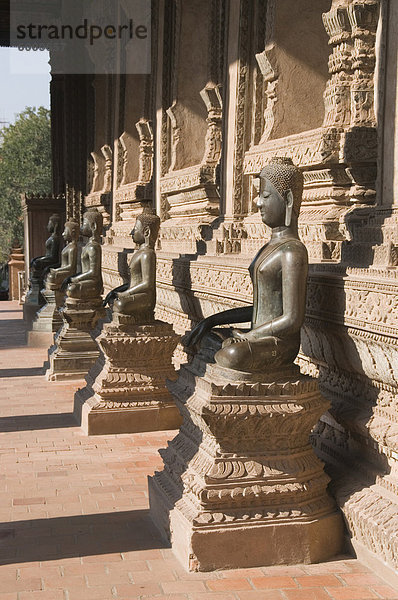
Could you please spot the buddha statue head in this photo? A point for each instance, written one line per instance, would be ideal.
(54, 223)
(92, 224)
(282, 182)
(146, 229)
(71, 230)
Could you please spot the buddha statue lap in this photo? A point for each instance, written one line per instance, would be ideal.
(279, 276)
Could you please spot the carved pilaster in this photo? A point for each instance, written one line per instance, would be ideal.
(212, 98)
(363, 17)
(337, 93)
(107, 153)
(145, 160)
(268, 70)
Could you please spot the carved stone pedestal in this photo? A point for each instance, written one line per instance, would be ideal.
(241, 484)
(75, 351)
(126, 389)
(33, 302)
(48, 320)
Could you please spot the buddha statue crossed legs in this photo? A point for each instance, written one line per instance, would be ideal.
(279, 276)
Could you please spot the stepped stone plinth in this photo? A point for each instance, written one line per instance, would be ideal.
(126, 389)
(34, 301)
(48, 320)
(75, 351)
(241, 484)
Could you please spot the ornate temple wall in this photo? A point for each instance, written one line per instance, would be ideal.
(233, 84)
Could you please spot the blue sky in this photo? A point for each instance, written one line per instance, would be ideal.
(25, 79)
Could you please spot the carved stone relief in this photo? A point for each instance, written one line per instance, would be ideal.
(265, 61)
(100, 193)
(193, 192)
(130, 195)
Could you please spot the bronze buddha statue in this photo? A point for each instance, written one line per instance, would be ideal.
(138, 297)
(39, 266)
(279, 275)
(88, 284)
(68, 257)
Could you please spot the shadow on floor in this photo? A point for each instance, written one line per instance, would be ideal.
(80, 535)
(29, 372)
(13, 334)
(10, 311)
(33, 422)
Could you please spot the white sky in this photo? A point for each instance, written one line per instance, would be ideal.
(25, 79)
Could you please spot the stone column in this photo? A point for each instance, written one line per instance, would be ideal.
(126, 389)
(241, 484)
(16, 264)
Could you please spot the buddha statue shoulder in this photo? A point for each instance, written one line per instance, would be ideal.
(88, 284)
(138, 297)
(40, 265)
(68, 266)
(279, 276)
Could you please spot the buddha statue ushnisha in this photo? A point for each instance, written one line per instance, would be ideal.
(88, 284)
(138, 297)
(68, 256)
(40, 265)
(279, 276)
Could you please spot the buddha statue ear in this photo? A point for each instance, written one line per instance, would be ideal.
(289, 208)
(147, 233)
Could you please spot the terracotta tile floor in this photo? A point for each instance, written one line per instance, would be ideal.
(74, 521)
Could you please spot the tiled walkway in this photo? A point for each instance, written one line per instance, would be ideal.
(74, 523)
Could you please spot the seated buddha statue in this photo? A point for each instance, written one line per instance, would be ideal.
(39, 266)
(88, 283)
(68, 257)
(138, 296)
(279, 276)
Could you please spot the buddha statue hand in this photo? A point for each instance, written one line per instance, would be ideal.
(66, 282)
(112, 295)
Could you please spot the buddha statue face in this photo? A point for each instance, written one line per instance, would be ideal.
(53, 223)
(146, 229)
(138, 234)
(92, 223)
(71, 231)
(86, 227)
(280, 186)
(273, 207)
